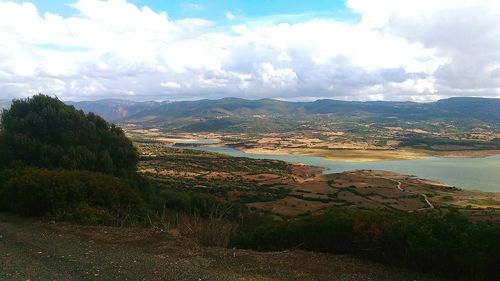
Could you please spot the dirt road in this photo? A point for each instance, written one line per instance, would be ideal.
(421, 194)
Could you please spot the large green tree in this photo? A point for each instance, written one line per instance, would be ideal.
(44, 132)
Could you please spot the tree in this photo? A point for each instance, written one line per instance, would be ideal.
(44, 132)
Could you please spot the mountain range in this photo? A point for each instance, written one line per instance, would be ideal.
(235, 114)
(268, 115)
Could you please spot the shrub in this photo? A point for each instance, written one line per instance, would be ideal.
(449, 244)
(83, 213)
(192, 202)
(80, 195)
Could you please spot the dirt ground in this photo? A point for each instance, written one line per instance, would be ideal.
(34, 250)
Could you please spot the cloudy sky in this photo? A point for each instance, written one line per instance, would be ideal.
(288, 49)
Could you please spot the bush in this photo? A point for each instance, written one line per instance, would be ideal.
(78, 195)
(449, 245)
(83, 213)
(192, 202)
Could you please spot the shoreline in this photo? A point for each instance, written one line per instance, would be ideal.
(364, 155)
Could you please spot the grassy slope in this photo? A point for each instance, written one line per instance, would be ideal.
(35, 250)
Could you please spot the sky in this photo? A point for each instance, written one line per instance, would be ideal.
(285, 49)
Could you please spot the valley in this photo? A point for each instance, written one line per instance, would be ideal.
(291, 190)
(319, 144)
(444, 125)
(348, 140)
(477, 166)
(336, 184)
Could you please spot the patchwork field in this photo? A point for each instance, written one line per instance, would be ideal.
(291, 190)
(334, 145)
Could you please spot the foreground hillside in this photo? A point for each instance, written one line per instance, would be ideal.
(33, 250)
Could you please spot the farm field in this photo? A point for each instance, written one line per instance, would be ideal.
(290, 190)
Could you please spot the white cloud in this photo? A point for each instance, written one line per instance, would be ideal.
(281, 78)
(464, 33)
(171, 85)
(230, 16)
(400, 50)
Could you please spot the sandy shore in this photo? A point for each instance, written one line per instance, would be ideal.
(343, 155)
(351, 155)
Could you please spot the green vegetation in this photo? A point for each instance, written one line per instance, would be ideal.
(193, 203)
(456, 115)
(82, 196)
(59, 162)
(430, 143)
(197, 161)
(187, 170)
(448, 245)
(44, 132)
(243, 125)
(488, 201)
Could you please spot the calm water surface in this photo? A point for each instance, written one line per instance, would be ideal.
(470, 173)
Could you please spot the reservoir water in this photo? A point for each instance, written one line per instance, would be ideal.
(469, 173)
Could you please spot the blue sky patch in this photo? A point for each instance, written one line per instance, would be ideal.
(217, 10)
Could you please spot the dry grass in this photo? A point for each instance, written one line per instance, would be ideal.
(291, 206)
(213, 231)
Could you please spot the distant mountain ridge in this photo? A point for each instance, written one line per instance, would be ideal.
(484, 109)
(269, 115)
(114, 109)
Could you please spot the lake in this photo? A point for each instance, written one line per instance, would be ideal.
(469, 173)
